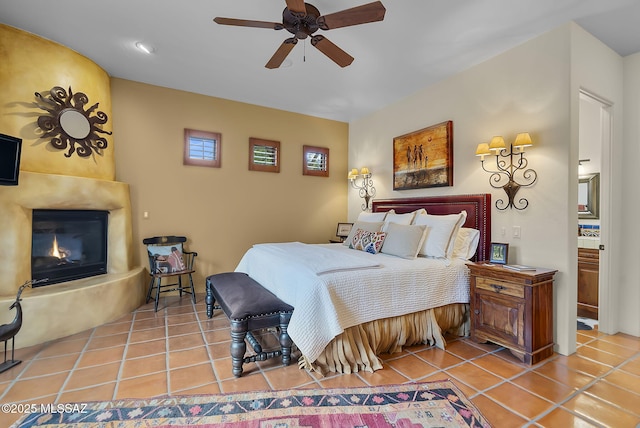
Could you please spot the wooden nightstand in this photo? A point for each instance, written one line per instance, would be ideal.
(513, 309)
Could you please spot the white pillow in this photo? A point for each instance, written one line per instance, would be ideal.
(404, 240)
(406, 218)
(466, 243)
(441, 234)
(392, 217)
(371, 217)
(368, 226)
(419, 212)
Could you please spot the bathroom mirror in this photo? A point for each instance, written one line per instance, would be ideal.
(589, 196)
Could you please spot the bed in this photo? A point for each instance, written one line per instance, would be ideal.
(351, 306)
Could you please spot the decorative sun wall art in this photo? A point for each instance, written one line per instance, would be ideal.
(71, 125)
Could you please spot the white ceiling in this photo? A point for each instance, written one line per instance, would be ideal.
(419, 43)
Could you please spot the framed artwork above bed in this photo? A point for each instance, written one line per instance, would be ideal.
(424, 158)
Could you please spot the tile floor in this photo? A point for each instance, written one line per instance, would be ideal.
(179, 351)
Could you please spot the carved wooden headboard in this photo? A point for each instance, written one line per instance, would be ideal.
(478, 208)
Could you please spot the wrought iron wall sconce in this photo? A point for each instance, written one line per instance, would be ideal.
(508, 164)
(363, 183)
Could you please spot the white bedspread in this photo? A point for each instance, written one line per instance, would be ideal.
(333, 287)
(316, 258)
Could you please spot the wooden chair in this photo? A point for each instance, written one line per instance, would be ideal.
(169, 261)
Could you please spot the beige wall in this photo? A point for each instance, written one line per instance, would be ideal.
(628, 233)
(223, 211)
(32, 64)
(598, 70)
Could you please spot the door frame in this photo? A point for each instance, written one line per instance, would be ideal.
(605, 283)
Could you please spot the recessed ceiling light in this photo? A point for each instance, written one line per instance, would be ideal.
(145, 48)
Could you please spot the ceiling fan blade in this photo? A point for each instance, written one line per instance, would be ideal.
(297, 7)
(371, 12)
(334, 53)
(282, 52)
(248, 23)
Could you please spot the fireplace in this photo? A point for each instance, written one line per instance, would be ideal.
(68, 245)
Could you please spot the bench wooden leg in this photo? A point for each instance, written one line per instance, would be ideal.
(238, 346)
(209, 300)
(285, 340)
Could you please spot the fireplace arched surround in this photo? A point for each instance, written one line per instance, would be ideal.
(67, 308)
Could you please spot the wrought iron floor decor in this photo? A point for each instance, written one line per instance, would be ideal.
(9, 331)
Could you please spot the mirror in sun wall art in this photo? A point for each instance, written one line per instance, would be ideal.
(71, 123)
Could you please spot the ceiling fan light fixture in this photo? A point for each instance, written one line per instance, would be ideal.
(303, 20)
(145, 48)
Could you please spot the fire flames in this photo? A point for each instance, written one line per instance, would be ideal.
(57, 251)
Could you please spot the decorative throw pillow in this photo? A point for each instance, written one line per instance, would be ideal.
(370, 242)
(167, 258)
(369, 226)
(404, 240)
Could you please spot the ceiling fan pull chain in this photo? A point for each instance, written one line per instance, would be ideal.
(304, 51)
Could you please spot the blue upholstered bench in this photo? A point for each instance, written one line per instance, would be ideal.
(249, 306)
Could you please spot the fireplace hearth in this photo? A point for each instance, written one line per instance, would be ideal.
(69, 307)
(68, 245)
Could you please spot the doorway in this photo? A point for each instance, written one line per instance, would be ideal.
(595, 126)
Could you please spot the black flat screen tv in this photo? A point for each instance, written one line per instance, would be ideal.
(9, 160)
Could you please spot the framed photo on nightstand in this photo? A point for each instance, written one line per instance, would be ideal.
(498, 253)
(343, 230)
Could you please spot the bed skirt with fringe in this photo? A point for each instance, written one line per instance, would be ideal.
(358, 347)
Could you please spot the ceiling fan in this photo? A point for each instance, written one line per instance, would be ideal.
(303, 20)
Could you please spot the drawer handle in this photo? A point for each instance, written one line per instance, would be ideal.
(498, 288)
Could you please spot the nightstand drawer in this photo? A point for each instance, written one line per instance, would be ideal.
(500, 287)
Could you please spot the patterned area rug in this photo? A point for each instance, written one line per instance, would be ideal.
(432, 404)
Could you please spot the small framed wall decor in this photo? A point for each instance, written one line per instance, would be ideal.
(498, 253)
